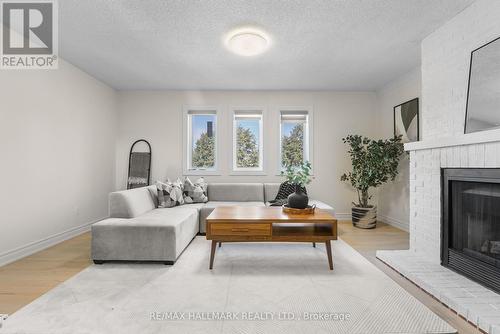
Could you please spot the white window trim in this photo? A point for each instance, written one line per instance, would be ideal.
(309, 135)
(248, 171)
(186, 130)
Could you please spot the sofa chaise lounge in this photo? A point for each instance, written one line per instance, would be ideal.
(137, 230)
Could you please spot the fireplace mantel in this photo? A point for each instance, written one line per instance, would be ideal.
(466, 139)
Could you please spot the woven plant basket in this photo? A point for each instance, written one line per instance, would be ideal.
(364, 217)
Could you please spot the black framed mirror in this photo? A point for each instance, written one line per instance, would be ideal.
(483, 93)
(139, 164)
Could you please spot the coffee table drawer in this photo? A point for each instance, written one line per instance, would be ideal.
(240, 229)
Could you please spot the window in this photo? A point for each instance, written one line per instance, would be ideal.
(247, 141)
(295, 135)
(201, 141)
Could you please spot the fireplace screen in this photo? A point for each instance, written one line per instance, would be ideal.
(471, 224)
(476, 220)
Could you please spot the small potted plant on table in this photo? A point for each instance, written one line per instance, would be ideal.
(299, 176)
(374, 162)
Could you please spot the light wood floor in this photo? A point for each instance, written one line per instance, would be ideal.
(23, 281)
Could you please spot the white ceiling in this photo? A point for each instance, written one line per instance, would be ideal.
(317, 45)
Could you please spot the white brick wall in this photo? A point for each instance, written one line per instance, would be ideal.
(445, 66)
(425, 189)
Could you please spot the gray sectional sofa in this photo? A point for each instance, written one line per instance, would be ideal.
(138, 231)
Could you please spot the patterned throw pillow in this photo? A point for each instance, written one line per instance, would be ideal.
(169, 194)
(195, 192)
(284, 191)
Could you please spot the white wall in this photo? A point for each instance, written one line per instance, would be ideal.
(394, 197)
(445, 66)
(57, 144)
(157, 117)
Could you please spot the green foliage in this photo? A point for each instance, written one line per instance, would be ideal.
(374, 162)
(298, 175)
(292, 147)
(247, 149)
(204, 152)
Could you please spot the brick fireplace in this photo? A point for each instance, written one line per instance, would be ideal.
(422, 262)
(445, 60)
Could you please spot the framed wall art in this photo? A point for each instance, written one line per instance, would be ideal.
(406, 121)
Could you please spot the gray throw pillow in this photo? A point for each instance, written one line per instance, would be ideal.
(154, 195)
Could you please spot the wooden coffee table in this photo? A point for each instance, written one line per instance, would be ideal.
(257, 224)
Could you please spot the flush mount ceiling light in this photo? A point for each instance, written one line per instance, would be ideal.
(247, 42)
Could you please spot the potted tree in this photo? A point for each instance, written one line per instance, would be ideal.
(374, 162)
(298, 176)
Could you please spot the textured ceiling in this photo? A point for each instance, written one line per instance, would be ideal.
(316, 45)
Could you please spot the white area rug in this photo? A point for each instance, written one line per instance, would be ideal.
(265, 288)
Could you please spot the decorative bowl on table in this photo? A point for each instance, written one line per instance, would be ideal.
(307, 211)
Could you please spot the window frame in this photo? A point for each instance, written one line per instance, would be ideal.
(187, 144)
(308, 134)
(251, 170)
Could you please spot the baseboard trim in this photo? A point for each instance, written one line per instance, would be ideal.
(343, 216)
(33, 247)
(394, 222)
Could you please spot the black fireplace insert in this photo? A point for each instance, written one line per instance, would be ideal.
(470, 227)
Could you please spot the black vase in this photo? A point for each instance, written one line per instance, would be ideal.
(298, 200)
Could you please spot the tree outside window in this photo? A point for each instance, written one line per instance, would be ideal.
(204, 152)
(292, 144)
(294, 141)
(247, 149)
(247, 144)
(203, 139)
